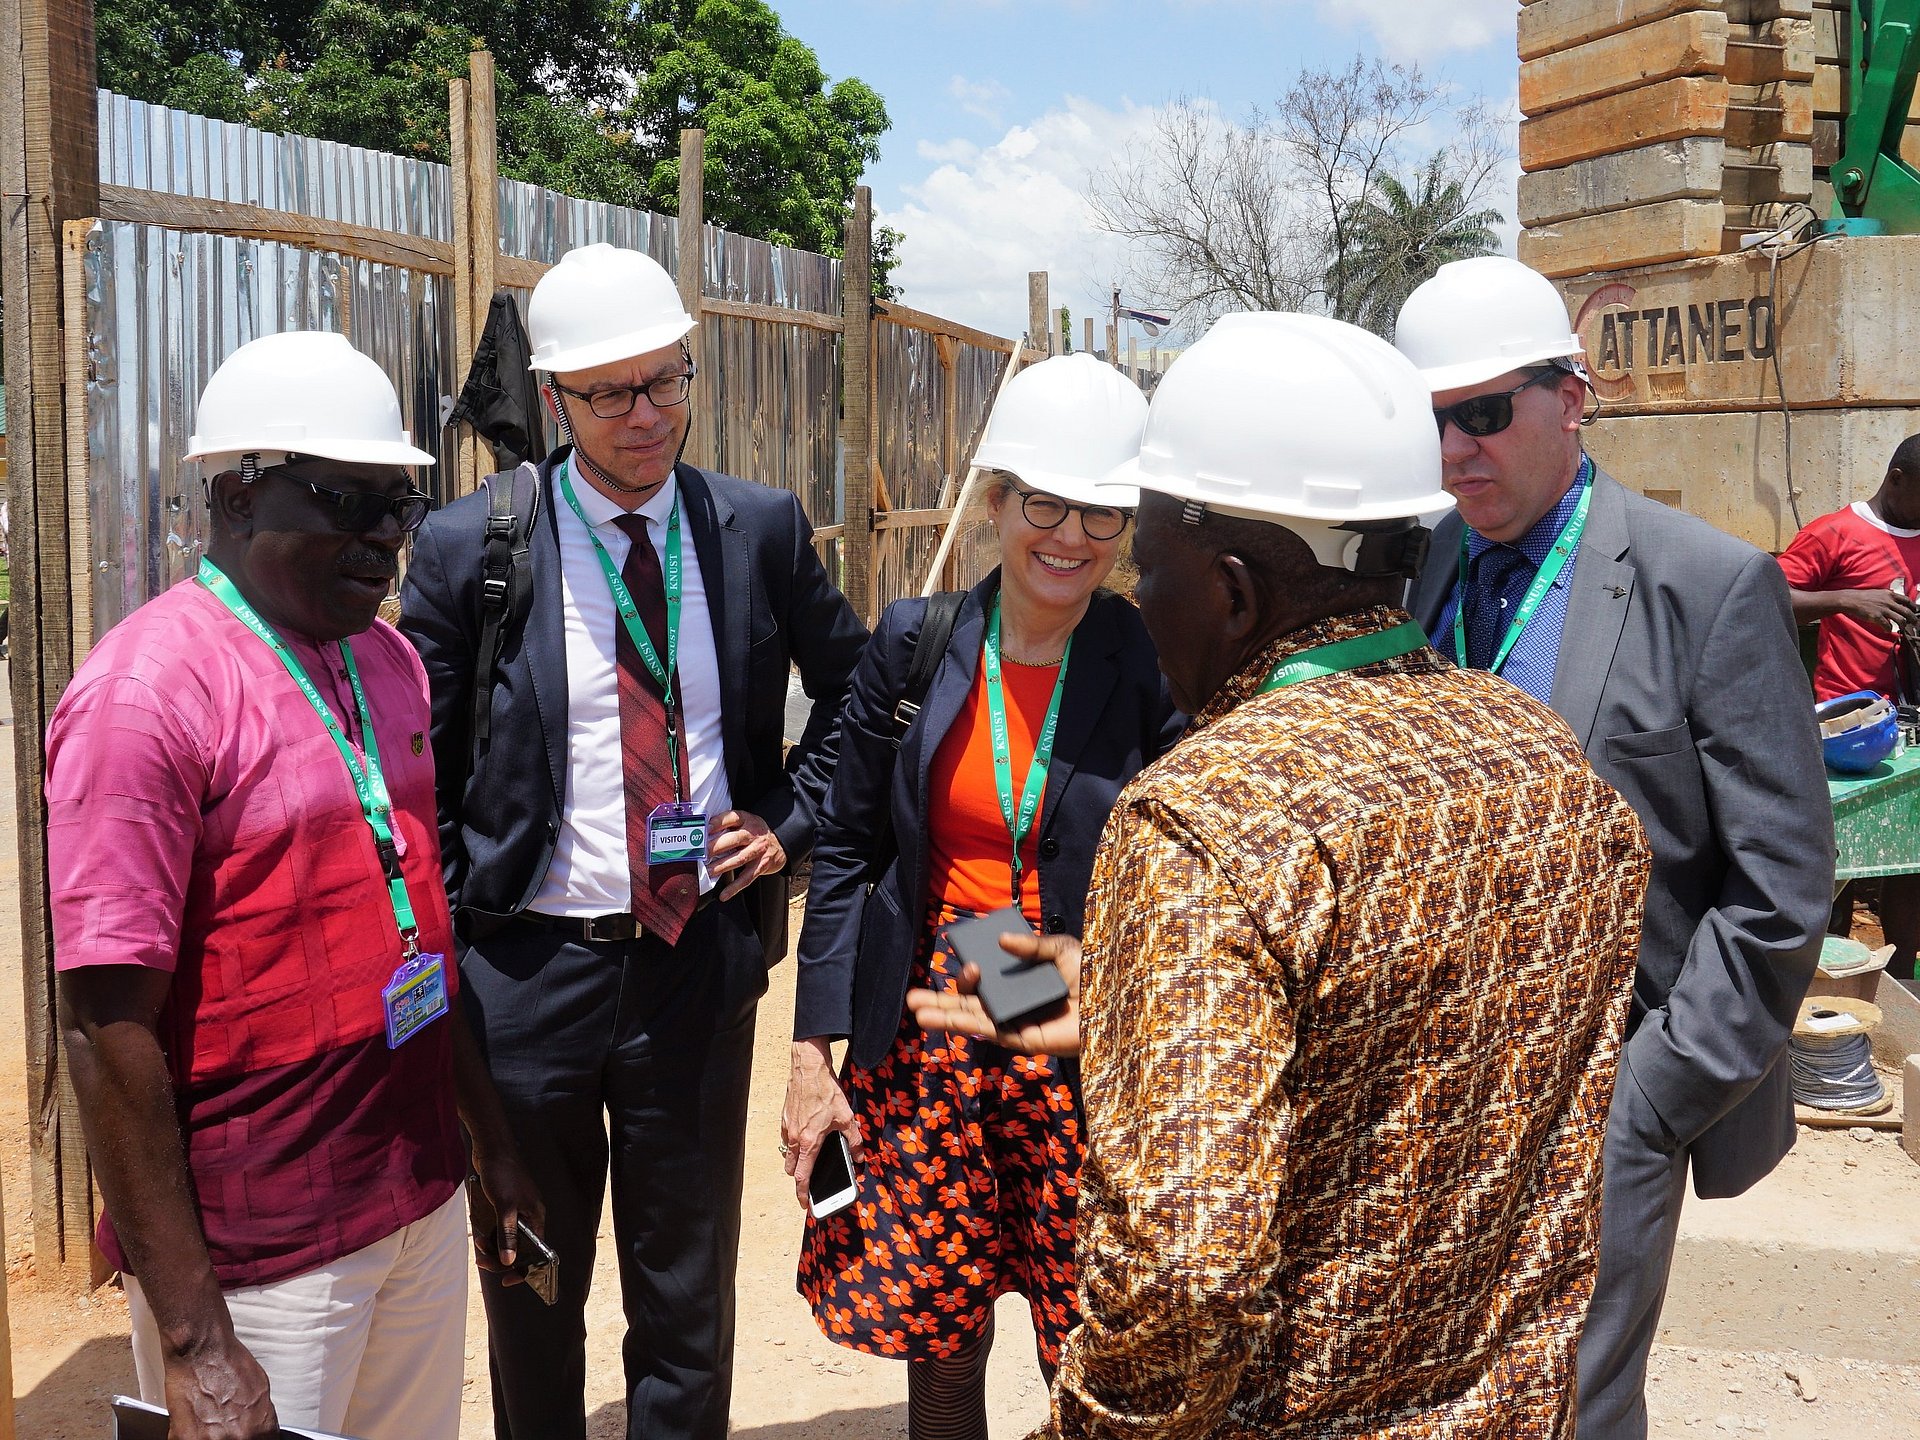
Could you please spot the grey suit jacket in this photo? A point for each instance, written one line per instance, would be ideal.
(1679, 673)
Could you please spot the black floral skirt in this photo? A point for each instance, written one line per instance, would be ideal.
(968, 1190)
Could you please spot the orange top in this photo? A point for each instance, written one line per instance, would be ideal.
(969, 848)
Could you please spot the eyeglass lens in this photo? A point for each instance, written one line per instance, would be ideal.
(662, 392)
(1047, 512)
(1479, 417)
(358, 511)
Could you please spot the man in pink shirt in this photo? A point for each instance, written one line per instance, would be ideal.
(250, 930)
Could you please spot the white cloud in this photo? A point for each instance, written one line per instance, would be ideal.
(982, 98)
(987, 215)
(1421, 29)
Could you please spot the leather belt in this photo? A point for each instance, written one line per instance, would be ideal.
(603, 929)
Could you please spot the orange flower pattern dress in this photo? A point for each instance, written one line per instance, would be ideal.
(970, 1178)
(1358, 960)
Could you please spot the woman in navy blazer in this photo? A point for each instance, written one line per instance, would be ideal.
(968, 1173)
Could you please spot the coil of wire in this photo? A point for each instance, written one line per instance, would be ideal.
(1835, 1072)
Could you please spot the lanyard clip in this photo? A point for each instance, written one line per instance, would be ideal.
(389, 858)
(409, 944)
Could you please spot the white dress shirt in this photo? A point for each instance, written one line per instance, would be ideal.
(589, 874)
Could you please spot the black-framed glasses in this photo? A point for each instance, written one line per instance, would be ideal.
(358, 511)
(1484, 415)
(1049, 512)
(662, 392)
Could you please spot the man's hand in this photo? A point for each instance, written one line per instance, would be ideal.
(501, 1197)
(743, 847)
(815, 1108)
(962, 1013)
(218, 1392)
(1881, 608)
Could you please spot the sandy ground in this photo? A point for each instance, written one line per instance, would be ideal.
(71, 1354)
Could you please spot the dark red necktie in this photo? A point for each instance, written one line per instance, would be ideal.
(663, 895)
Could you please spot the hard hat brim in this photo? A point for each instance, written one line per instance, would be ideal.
(1234, 500)
(621, 347)
(1492, 367)
(347, 452)
(1074, 489)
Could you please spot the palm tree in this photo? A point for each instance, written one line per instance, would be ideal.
(1397, 239)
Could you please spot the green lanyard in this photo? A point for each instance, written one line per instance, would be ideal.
(1019, 822)
(369, 785)
(630, 616)
(1549, 572)
(1402, 639)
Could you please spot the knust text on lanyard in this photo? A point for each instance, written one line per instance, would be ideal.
(417, 993)
(673, 578)
(1402, 639)
(1549, 572)
(1020, 821)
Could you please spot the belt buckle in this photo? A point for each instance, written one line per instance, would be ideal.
(590, 928)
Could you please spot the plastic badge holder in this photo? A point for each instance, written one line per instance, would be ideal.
(1014, 991)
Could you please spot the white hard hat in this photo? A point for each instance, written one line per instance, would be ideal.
(601, 304)
(1477, 319)
(1294, 419)
(1061, 425)
(304, 391)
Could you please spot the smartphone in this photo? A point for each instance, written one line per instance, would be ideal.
(534, 1258)
(1014, 991)
(832, 1187)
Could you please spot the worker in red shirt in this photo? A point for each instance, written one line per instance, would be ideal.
(1853, 573)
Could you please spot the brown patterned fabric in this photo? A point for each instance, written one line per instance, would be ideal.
(1358, 960)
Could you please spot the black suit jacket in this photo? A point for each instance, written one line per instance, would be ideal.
(1680, 674)
(772, 606)
(1115, 718)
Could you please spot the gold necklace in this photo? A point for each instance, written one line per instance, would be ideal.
(1033, 664)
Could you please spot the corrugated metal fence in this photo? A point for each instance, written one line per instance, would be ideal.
(163, 305)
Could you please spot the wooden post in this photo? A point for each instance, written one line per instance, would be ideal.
(1039, 332)
(949, 351)
(466, 335)
(1087, 344)
(703, 439)
(483, 224)
(1061, 332)
(50, 172)
(856, 391)
(1133, 363)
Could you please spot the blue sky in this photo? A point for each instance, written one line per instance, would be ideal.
(1001, 107)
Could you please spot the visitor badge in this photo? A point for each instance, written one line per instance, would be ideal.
(414, 998)
(676, 831)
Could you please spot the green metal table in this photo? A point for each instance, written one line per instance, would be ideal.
(1876, 819)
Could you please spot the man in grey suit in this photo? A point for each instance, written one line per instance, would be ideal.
(1669, 649)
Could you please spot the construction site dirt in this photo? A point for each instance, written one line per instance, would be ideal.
(1791, 1312)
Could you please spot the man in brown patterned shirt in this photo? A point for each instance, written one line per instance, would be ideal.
(1358, 956)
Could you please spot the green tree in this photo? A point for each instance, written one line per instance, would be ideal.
(592, 94)
(1398, 237)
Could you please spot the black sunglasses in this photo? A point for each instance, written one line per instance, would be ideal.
(358, 511)
(1484, 415)
(663, 392)
(1049, 512)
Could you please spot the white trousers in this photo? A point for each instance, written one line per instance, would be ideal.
(372, 1345)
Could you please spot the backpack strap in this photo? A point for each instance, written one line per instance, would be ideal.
(506, 582)
(929, 645)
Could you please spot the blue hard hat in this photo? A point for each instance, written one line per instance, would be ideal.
(1857, 731)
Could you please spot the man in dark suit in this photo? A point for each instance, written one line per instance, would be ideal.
(615, 849)
(1668, 648)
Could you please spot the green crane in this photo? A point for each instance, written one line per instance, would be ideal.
(1875, 191)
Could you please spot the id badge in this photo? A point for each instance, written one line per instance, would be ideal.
(676, 831)
(414, 998)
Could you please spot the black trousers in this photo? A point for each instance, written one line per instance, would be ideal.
(630, 1059)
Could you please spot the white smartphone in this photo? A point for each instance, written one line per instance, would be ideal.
(832, 1187)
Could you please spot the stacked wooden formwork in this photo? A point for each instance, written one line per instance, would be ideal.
(1661, 130)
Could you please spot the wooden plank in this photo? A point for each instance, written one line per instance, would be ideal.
(690, 260)
(1830, 91)
(912, 519)
(256, 222)
(1826, 142)
(856, 390)
(1666, 111)
(934, 325)
(466, 334)
(1038, 308)
(1780, 50)
(515, 272)
(49, 164)
(1783, 111)
(483, 196)
(1549, 26)
(1691, 43)
(1759, 12)
(949, 349)
(1642, 235)
(73, 284)
(1670, 170)
(775, 314)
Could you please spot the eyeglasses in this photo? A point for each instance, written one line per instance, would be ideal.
(663, 392)
(358, 511)
(1484, 415)
(1049, 512)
